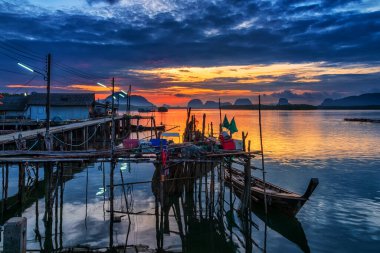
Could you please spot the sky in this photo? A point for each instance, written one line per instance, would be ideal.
(172, 51)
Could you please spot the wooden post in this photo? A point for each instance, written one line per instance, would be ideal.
(212, 130)
(249, 145)
(203, 126)
(84, 137)
(155, 128)
(70, 140)
(262, 159)
(151, 127)
(187, 127)
(123, 126)
(87, 136)
(137, 128)
(220, 117)
(244, 137)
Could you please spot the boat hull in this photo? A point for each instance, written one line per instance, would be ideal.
(277, 198)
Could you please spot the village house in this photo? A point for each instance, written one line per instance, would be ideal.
(63, 106)
(13, 107)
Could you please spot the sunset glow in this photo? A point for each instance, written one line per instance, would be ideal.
(254, 74)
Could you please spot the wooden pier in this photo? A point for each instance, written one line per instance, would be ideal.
(196, 171)
(71, 135)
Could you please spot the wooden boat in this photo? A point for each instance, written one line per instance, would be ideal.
(147, 128)
(277, 198)
(146, 109)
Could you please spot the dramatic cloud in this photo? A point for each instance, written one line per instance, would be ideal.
(260, 46)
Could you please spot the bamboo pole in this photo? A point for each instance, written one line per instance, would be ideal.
(220, 117)
(262, 158)
(155, 128)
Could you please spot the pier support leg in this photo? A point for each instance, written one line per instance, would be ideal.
(21, 182)
(71, 140)
(15, 235)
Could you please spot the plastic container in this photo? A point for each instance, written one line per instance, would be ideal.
(238, 144)
(228, 144)
(130, 143)
(159, 142)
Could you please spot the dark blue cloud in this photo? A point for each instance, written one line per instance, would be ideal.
(105, 41)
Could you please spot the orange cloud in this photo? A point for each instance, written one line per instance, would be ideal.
(252, 74)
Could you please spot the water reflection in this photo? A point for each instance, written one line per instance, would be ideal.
(300, 145)
(189, 211)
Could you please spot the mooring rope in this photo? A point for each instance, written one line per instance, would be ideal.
(78, 145)
(35, 143)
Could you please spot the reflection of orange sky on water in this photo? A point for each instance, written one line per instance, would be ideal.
(290, 135)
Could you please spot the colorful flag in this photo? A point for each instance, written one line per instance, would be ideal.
(226, 124)
(233, 128)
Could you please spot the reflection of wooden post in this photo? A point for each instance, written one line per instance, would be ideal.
(200, 190)
(206, 189)
(6, 186)
(48, 217)
(247, 184)
(231, 183)
(111, 202)
(61, 206)
(21, 182)
(212, 190)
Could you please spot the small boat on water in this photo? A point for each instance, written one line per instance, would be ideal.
(162, 109)
(147, 128)
(277, 198)
(146, 109)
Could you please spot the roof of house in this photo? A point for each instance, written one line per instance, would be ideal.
(13, 103)
(62, 99)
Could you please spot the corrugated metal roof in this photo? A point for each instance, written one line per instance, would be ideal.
(13, 103)
(62, 99)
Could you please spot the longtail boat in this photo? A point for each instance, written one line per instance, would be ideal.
(277, 198)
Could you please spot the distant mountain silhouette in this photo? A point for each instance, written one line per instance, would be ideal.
(195, 103)
(283, 101)
(211, 104)
(368, 99)
(136, 101)
(243, 101)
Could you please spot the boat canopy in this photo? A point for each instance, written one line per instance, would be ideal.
(170, 134)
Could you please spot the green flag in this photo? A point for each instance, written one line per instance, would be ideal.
(226, 124)
(233, 128)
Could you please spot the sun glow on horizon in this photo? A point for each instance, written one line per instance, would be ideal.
(178, 85)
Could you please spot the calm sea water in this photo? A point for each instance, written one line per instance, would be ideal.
(342, 215)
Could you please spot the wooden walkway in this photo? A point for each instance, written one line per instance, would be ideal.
(30, 134)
